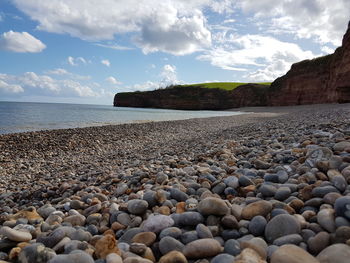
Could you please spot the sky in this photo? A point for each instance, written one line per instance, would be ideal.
(85, 51)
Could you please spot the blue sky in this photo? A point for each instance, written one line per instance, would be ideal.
(85, 51)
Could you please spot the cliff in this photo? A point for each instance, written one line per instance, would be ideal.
(321, 80)
(317, 81)
(194, 98)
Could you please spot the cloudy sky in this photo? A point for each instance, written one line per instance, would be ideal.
(84, 51)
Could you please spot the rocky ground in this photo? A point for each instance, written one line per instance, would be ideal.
(265, 187)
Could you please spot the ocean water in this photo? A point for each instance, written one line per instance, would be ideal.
(27, 116)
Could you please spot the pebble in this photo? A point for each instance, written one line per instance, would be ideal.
(292, 254)
(168, 244)
(257, 225)
(156, 223)
(137, 206)
(223, 258)
(281, 225)
(334, 253)
(37, 253)
(213, 206)
(147, 238)
(15, 235)
(202, 248)
(173, 257)
(76, 256)
(262, 208)
(232, 247)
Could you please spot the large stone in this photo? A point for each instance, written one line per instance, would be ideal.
(76, 256)
(262, 208)
(173, 257)
(325, 218)
(292, 254)
(281, 225)
(341, 146)
(339, 253)
(106, 245)
(168, 244)
(156, 223)
(202, 248)
(37, 253)
(342, 207)
(15, 235)
(249, 255)
(137, 206)
(213, 206)
(146, 238)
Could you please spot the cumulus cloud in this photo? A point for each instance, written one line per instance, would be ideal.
(269, 57)
(34, 84)
(76, 61)
(21, 42)
(106, 62)
(113, 80)
(168, 76)
(320, 20)
(10, 89)
(177, 27)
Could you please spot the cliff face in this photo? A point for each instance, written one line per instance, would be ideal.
(194, 98)
(321, 80)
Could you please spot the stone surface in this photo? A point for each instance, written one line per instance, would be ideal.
(281, 225)
(213, 206)
(173, 257)
(15, 235)
(261, 208)
(292, 254)
(334, 253)
(105, 246)
(202, 248)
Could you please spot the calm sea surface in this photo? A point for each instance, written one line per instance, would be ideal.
(27, 116)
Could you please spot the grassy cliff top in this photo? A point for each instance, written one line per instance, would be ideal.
(223, 85)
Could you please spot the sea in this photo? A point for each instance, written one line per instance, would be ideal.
(30, 116)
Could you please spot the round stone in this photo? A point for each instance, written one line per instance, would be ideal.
(174, 232)
(292, 254)
(229, 221)
(36, 253)
(156, 223)
(267, 190)
(341, 146)
(262, 208)
(334, 253)
(282, 193)
(190, 219)
(173, 257)
(202, 248)
(137, 206)
(178, 195)
(257, 225)
(232, 247)
(342, 207)
(203, 231)
(295, 239)
(318, 242)
(281, 225)
(76, 256)
(168, 244)
(15, 235)
(325, 218)
(213, 206)
(146, 238)
(223, 258)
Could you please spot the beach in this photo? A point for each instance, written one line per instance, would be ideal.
(98, 174)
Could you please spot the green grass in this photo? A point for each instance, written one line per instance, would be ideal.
(224, 85)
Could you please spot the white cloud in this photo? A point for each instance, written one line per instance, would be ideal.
(113, 80)
(268, 56)
(176, 26)
(64, 72)
(106, 62)
(168, 76)
(114, 46)
(8, 89)
(327, 50)
(43, 85)
(20, 42)
(76, 61)
(321, 20)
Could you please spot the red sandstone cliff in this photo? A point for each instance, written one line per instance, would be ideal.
(321, 80)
